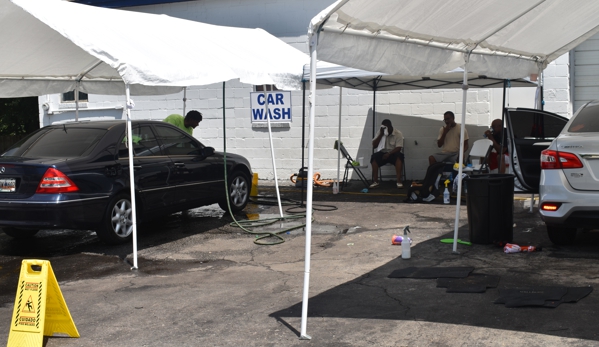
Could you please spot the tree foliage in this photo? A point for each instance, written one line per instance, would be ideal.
(19, 116)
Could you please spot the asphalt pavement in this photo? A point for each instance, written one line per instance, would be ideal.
(203, 282)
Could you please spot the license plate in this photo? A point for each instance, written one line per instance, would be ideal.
(8, 185)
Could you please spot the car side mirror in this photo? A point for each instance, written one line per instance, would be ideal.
(207, 151)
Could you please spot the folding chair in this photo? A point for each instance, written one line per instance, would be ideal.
(349, 165)
(480, 149)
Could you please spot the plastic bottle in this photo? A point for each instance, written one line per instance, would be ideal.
(405, 246)
(446, 193)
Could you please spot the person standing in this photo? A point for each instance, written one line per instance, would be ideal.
(187, 124)
(449, 141)
(497, 135)
(388, 144)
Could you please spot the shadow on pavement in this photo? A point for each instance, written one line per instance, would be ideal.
(375, 296)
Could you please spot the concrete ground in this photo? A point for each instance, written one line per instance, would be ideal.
(218, 288)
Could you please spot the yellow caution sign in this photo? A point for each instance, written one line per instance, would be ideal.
(40, 308)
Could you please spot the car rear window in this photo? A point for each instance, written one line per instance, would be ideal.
(58, 143)
(586, 121)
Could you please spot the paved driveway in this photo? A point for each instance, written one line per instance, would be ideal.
(212, 286)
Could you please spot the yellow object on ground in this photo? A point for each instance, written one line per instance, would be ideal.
(254, 189)
(40, 308)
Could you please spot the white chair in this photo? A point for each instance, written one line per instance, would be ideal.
(480, 149)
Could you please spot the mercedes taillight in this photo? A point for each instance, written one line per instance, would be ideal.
(55, 182)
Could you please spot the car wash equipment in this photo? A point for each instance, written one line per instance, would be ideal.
(405, 246)
(302, 178)
(446, 193)
(398, 239)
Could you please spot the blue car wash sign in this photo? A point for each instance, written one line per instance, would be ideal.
(279, 106)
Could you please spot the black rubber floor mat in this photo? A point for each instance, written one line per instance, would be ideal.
(474, 283)
(573, 295)
(432, 272)
(542, 296)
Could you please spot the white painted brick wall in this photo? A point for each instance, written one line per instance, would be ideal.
(418, 114)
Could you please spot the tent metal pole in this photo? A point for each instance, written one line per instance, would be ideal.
(374, 110)
(339, 139)
(185, 99)
(272, 150)
(77, 101)
(131, 174)
(501, 160)
(303, 138)
(461, 160)
(303, 334)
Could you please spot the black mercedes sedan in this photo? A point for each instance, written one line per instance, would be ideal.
(76, 176)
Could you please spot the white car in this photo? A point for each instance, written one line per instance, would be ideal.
(569, 185)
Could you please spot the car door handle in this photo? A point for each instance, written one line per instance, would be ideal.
(180, 164)
(135, 167)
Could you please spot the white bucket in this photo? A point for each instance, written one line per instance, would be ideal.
(361, 161)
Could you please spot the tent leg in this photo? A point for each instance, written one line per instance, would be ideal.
(339, 143)
(131, 175)
(532, 201)
(303, 137)
(461, 160)
(272, 151)
(306, 295)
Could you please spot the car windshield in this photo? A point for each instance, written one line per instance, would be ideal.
(57, 143)
(586, 121)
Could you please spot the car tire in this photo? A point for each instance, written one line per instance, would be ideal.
(561, 236)
(117, 225)
(19, 233)
(239, 192)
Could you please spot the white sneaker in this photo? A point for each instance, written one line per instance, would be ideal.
(400, 185)
(374, 185)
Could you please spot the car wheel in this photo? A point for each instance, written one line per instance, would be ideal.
(117, 225)
(19, 233)
(561, 236)
(239, 192)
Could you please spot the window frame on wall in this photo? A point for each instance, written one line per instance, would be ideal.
(69, 97)
(269, 88)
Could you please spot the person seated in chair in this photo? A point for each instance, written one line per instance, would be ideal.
(388, 144)
(449, 141)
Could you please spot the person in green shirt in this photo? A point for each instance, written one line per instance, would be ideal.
(187, 124)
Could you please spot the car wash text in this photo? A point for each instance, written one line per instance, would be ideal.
(279, 106)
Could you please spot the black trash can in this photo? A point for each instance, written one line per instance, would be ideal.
(490, 203)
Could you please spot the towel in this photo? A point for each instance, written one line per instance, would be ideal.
(383, 141)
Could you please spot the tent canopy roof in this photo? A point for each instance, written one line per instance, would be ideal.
(341, 76)
(500, 38)
(47, 45)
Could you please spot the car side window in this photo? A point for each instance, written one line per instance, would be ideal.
(145, 143)
(586, 121)
(535, 125)
(176, 142)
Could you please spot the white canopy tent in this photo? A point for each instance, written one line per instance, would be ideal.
(52, 46)
(331, 75)
(504, 39)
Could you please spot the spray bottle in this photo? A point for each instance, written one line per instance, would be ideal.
(446, 193)
(405, 246)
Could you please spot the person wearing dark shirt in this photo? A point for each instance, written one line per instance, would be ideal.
(498, 136)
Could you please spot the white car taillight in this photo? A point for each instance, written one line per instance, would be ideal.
(551, 159)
